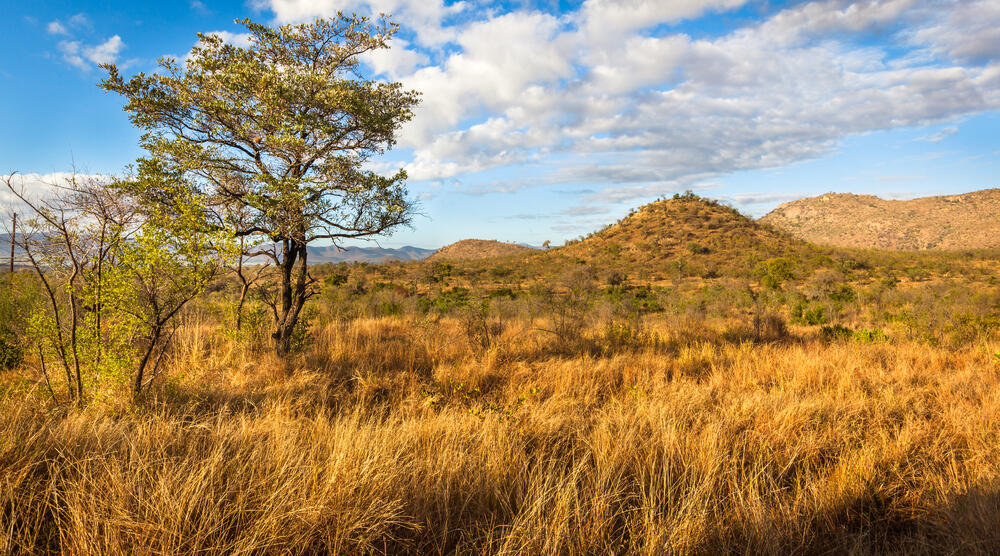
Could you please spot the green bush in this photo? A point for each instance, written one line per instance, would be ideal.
(11, 352)
(806, 313)
(869, 336)
(836, 332)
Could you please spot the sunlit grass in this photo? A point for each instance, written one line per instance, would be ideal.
(395, 435)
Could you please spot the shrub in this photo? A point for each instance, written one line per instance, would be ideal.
(869, 336)
(806, 313)
(836, 332)
(11, 352)
(696, 248)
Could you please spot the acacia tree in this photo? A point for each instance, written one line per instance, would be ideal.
(275, 136)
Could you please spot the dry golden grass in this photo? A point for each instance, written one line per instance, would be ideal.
(394, 435)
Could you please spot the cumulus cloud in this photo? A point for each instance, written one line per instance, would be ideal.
(426, 17)
(611, 18)
(86, 56)
(397, 61)
(966, 31)
(610, 96)
(236, 39)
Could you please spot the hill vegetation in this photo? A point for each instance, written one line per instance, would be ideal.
(473, 249)
(685, 381)
(969, 221)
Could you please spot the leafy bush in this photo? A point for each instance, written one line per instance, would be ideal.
(806, 313)
(773, 272)
(869, 336)
(446, 301)
(11, 352)
(836, 332)
(503, 292)
(696, 248)
(843, 294)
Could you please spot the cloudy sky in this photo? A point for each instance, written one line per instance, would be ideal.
(542, 120)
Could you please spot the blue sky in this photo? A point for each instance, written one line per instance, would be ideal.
(543, 120)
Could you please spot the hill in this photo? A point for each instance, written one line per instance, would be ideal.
(473, 249)
(969, 221)
(685, 235)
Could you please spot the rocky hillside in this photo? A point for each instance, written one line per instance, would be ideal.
(969, 221)
(471, 249)
(685, 234)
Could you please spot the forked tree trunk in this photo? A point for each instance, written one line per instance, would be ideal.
(292, 293)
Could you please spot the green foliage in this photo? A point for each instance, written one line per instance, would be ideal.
(116, 274)
(500, 272)
(809, 313)
(446, 301)
(273, 137)
(502, 292)
(336, 279)
(774, 272)
(869, 336)
(696, 248)
(11, 352)
(839, 332)
(836, 332)
(844, 294)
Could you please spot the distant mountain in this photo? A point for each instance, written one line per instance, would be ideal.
(468, 249)
(5, 246)
(331, 254)
(319, 254)
(968, 221)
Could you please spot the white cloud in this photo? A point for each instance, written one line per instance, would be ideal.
(397, 61)
(56, 28)
(940, 135)
(35, 187)
(106, 52)
(605, 20)
(79, 20)
(426, 17)
(656, 114)
(605, 95)
(241, 40)
(200, 7)
(86, 56)
(966, 31)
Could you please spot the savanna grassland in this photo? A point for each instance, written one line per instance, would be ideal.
(685, 381)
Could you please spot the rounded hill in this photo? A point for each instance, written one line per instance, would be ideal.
(473, 249)
(703, 236)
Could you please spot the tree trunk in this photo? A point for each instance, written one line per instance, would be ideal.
(154, 337)
(292, 285)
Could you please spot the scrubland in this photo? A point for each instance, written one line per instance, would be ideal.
(815, 402)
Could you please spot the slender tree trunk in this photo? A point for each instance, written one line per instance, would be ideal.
(74, 325)
(239, 305)
(293, 286)
(13, 236)
(154, 337)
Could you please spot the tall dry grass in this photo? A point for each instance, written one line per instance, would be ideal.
(394, 435)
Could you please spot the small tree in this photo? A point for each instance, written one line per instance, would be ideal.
(275, 137)
(114, 276)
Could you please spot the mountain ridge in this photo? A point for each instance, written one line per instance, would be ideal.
(949, 222)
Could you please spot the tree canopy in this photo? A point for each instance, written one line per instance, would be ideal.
(275, 137)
